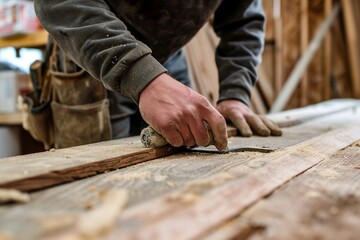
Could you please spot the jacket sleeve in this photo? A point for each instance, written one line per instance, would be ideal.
(99, 42)
(240, 26)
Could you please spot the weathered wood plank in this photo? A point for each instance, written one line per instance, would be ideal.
(40, 170)
(323, 203)
(59, 207)
(199, 208)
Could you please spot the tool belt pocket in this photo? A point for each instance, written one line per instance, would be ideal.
(68, 107)
(80, 109)
(76, 88)
(81, 124)
(37, 119)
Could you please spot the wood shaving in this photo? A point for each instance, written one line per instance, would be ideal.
(170, 184)
(97, 222)
(160, 178)
(12, 195)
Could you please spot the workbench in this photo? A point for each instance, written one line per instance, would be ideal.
(303, 185)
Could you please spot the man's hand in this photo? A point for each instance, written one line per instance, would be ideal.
(246, 121)
(180, 114)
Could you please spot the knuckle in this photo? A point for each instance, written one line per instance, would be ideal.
(168, 126)
(203, 102)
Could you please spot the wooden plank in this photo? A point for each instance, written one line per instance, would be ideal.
(58, 208)
(55, 208)
(352, 38)
(322, 203)
(199, 208)
(40, 170)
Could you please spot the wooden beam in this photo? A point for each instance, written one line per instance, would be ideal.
(265, 87)
(278, 36)
(293, 80)
(352, 38)
(304, 85)
(327, 56)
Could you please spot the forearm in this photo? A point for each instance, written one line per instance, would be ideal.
(240, 27)
(95, 39)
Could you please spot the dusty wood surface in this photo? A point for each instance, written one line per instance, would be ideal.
(55, 211)
(36, 171)
(323, 203)
(40, 170)
(205, 204)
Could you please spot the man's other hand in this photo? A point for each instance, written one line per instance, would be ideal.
(246, 121)
(180, 114)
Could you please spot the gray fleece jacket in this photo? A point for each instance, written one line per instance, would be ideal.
(123, 43)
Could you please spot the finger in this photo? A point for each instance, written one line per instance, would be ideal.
(174, 138)
(172, 135)
(275, 129)
(217, 125)
(257, 125)
(187, 136)
(243, 127)
(200, 133)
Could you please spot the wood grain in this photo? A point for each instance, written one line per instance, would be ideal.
(36, 171)
(205, 206)
(323, 203)
(57, 208)
(40, 170)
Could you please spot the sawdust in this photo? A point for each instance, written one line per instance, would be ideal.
(12, 195)
(160, 178)
(130, 176)
(195, 190)
(184, 197)
(56, 223)
(328, 174)
(256, 163)
(312, 194)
